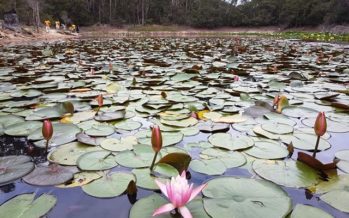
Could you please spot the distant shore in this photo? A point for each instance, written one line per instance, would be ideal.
(8, 37)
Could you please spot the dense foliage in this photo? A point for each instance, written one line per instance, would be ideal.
(199, 13)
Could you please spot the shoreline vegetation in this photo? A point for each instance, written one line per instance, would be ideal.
(8, 37)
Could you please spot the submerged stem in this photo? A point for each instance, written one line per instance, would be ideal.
(152, 164)
(316, 146)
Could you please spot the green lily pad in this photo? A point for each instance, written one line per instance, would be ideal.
(267, 149)
(88, 140)
(302, 210)
(123, 144)
(337, 199)
(51, 175)
(97, 160)
(277, 128)
(128, 125)
(145, 207)
(286, 173)
(140, 156)
(23, 129)
(229, 158)
(209, 167)
(110, 185)
(245, 198)
(62, 134)
(332, 126)
(68, 154)
(305, 141)
(146, 180)
(100, 130)
(168, 138)
(110, 116)
(14, 167)
(23, 206)
(225, 140)
(298, 112)
(180, 123)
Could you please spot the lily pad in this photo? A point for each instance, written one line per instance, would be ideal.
(110, 185)
(277, 128)
(302, 210)
(286, 173)
(51, 175)
(68, 154)
(145, 207)
(23, 129)
(123, 144)
(100, 130)
(88, 140)
(305, 141)
(245, 198)
(268, 149)
(23, 206)
(14, 167)
(225, 140)
(97, 160)
(128, 125)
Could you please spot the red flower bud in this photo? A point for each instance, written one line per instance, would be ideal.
(236, 78)
(320, 125)
(47, 130)
(276, 100)
(156, 138)
(100, 100)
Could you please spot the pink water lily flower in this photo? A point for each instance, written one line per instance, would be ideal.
(179, 192)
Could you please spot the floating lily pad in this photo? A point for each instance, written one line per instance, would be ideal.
(332, 126)
(88, 140)
(337, 199)
(141, 156)
(97, 160)
(209, 167)
(145, 207)
(245, 198)
(225, 140)
(169, 138)
(110, 116)
(23, 129)
(51, 175)
(123, 144)
(146, 180)
(110, 185)
(213, 127)
(287, 173)
(14, 167)
(23, 206)
(128, 125)
(277, 128)
(268, 149)
(305, 141)
(68, 154)
(62, 134)
(302, 210)
(180, 123)
(100, 130)
(298, 112)
(81, 179)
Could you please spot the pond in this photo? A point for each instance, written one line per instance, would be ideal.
(213, 101)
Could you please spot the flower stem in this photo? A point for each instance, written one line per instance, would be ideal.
(316, 146)
(46, 148)
(152, 163)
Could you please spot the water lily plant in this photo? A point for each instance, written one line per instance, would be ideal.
(320, 128)
(180, 193)
(47, 132)
(156, 142)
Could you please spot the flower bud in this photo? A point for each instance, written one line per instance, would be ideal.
(156, 138)
(47, 130)
(320, 125)
(100, 100)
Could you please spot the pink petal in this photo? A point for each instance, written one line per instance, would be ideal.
(163, 209)
(184, 174)
(162, 187)
(185, 212)
(196, 191)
